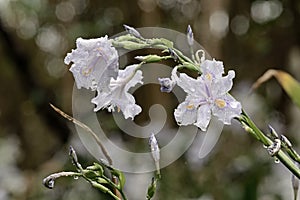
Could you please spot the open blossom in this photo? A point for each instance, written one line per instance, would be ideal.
(206, 96)
(118, 95)
(94, 62)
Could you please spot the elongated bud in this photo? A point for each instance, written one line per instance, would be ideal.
(49, 181)
(155, 152)
(273, 132)
(154, 148)
(132, 31)
(286, 141)
(173, 54)
(150, 58)
(190, 36)
(74, 158)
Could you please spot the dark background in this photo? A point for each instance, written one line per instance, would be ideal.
(249, 36)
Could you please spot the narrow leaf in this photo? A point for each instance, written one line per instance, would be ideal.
(290, 85)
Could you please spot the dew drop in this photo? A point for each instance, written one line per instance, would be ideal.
(75, 177)
(277, 160)
(49, 183)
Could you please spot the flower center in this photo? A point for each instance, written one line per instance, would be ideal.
(220, 103)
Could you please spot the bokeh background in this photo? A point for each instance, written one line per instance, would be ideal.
(249, 36)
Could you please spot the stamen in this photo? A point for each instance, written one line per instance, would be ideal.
(220, 103)
(86, 71)
(208, 76)
(190, 106)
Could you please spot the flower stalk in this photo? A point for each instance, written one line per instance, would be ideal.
(281, 155)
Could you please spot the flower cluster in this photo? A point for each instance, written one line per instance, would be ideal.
(95, 66)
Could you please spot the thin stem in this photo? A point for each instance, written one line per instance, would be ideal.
(88, 129)
(245, 119)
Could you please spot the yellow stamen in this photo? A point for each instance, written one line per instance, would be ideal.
(190, 106)
(86, 71)
(220, 103)
(208, 76)
(119, 109)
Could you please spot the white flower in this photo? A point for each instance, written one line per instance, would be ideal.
(95, 61)
(118, 95)
(207, 95)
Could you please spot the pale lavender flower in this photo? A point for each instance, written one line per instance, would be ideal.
(118, 95)
(94, 62)
(207, 95)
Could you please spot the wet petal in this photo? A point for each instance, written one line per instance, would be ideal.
(118, 95)
(102, 100)
(94, 62)
(187, 83)
(185, 114)
(229, 110)
(203, 117)
(212, 67)
(223, 85)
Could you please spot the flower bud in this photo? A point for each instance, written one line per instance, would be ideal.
(132, 31)
(190, 36)
(150, 58)
(154, 148)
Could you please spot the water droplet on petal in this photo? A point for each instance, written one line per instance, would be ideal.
(234, 104)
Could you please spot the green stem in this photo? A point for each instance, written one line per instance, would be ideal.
(286, 161)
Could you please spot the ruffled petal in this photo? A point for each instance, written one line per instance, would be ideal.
(102, 100)
(131, 110)
(118, 95)
(188, 84)
(212, 67)
(203, 117)
(223, 85)
(229, 109)
(94, 62)
(185, 114)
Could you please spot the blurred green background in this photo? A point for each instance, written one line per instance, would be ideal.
(249, 36)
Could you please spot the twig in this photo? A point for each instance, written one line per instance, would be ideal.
(85, 127)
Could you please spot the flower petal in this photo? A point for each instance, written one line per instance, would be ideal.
(203, 117)
(212, 67)
(185, 114)
(223, 85)
(95, 61)
(229, 110)
(118, 95)
(188, 84)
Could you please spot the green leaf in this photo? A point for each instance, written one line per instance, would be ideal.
(290, 85)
